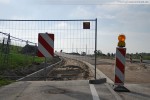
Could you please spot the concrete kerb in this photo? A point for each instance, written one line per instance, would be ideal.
(101, 75)
(39, 72)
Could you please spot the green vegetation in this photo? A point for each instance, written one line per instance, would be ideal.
(19, 60)
(16, 58)
(4, 81)
(146, 57)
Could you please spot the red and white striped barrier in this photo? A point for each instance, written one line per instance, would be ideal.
(120, 65)
(45, 45)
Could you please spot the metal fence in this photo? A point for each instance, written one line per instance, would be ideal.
(19, 38)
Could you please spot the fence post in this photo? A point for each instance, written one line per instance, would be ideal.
(2, 49)
(95, 45)
(130, 57)
(35, 52)
(141, 59)
(26, 51)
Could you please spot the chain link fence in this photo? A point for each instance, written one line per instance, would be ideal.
(16, 52)
(19, 38)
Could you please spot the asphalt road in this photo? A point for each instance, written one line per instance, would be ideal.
(56, 90)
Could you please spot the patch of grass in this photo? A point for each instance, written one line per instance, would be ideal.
(15, 49)
(5, 81)
(146, 57)
(16, 60)
(19, 60)
(38, 60)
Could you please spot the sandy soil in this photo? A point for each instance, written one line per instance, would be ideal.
(134, 72)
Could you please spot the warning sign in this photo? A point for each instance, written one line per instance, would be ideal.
(45, 45)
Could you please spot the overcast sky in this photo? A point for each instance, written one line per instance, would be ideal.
(131, 17)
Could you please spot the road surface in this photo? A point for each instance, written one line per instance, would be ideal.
(52, 90)
(138, 91)
(72, 90)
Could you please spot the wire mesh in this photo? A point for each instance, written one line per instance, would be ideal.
(69, 39)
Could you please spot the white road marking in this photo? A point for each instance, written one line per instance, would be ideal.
(94, 92)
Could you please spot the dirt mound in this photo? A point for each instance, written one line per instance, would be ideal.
(70, 70)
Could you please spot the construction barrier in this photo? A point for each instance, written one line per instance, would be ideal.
(120, 70)
(120, 65)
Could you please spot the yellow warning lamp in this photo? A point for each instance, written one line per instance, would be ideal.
(121, 39)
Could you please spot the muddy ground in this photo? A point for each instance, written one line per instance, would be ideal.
(135, 72)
